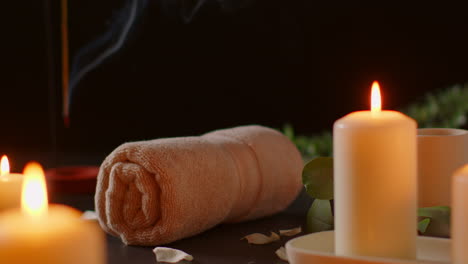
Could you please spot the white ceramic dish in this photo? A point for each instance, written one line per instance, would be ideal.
(319, 248)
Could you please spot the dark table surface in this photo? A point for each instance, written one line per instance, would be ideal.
(219, 245)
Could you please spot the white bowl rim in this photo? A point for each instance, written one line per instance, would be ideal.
(441, 132)
(289, 247)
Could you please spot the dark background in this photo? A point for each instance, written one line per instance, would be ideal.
(268, 62)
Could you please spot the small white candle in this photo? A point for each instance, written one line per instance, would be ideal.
(10, 186)
(375, 181)
(40, 234)
(459, 227)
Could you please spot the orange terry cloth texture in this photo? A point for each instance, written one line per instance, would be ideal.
(159, 191)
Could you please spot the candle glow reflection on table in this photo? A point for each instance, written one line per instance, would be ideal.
(10, 186)
(40, 234)
(375, 183)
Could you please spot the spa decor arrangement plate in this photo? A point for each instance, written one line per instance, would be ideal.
(320, 248)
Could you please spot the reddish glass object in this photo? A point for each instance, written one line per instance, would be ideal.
(72, 179)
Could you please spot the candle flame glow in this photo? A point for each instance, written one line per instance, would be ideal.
(4, 166)
(376, 101)
(34, 193)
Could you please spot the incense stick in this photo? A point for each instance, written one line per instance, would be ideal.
(65, 64)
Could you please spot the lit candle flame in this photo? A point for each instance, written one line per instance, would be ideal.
(34, 194)
(376, 101)
(4, 166)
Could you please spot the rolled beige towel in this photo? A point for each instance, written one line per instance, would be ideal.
(158, 191)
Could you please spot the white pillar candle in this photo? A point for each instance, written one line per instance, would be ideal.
(375, 183)
(459, 225)
(10, 186)
(40, 234)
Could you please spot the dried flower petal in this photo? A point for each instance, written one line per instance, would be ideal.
(170, 255)
(290, 232)
(260, 239)
(89, 215)
(281, 253)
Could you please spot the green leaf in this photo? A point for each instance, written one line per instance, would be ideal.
(320, 216)
(422, 225)
(288, 131)
(443, 108)
(439, 220)
(317, 177)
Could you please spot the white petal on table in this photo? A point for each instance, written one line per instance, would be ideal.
(260, 239)
(170, 255)
(89, 215)
(281, 253)
(290, 232)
